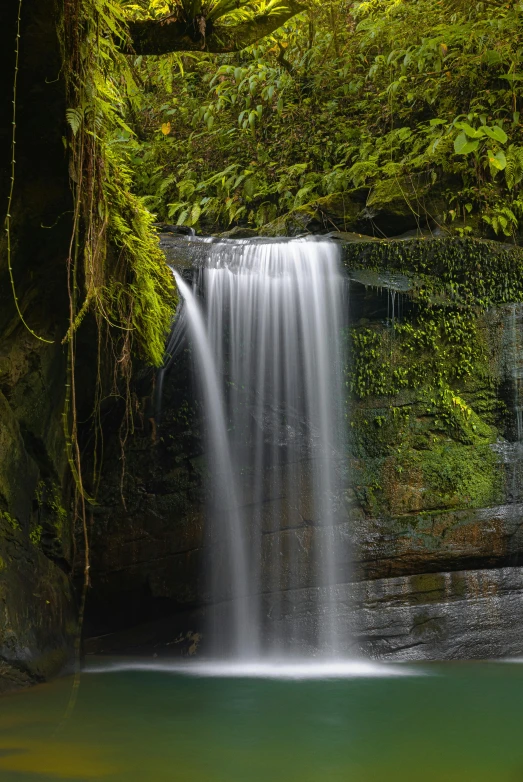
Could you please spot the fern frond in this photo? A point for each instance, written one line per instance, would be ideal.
(361, 171)
(223, 7)
(75, 118)
(514, 167)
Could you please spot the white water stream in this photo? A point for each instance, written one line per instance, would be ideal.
(266, 324)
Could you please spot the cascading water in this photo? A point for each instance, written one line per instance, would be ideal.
(517, 368)
(515, 373)
(266, 323)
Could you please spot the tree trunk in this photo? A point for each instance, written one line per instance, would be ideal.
(169, 35)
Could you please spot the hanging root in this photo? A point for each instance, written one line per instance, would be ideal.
(115, 269)
(12, 183)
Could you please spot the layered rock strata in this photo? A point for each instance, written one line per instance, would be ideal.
(434, 508)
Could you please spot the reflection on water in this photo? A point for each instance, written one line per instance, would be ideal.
(456, 723)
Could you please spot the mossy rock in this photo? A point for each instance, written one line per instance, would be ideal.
(338, 212)
(238, 232)
(391, 208)
(430, 403)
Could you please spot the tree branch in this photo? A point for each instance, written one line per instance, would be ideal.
(161, 36)
(283, 62)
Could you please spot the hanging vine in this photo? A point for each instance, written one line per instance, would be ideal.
(115, 270)
(12, 181)
(115, 267)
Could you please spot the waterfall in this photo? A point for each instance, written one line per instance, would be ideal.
(516, 378)
(266, 322)
(517, 369)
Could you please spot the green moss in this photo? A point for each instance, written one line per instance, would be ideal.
(461, 271)
(374, 430)
(429, 583)
(437, 347)
(434, 453)
(35, 536)
(144, 301)
(48, 497)
(426, 390)
(127, 281)
(462, 476)
(368, 485)
(13, 523)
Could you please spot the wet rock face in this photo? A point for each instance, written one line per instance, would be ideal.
(470, 614)
(474, 614)
(432, 517)
(147, 531)
(37, 606)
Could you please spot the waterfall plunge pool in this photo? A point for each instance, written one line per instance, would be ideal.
(449, 722)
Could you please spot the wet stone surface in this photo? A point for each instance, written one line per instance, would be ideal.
(431, 539)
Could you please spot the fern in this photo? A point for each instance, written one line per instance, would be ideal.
(74, 119)
(223, 7)
(514, 167)
(361, 171)
(369, 93)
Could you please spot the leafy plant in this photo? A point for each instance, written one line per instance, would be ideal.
(365, 95)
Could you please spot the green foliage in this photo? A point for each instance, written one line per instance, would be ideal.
(228, 12)
(13, 523)
(466, 272)
(49, 499)
(432, 356)
(130, 288)
(35, 535)
(367, 95)
(426, 388)
(115, 267)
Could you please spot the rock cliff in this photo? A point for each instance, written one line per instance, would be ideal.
(434, 509)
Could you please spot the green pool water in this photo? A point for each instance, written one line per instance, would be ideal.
(459, 722)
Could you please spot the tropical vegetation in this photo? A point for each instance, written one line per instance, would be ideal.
(375, 100)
